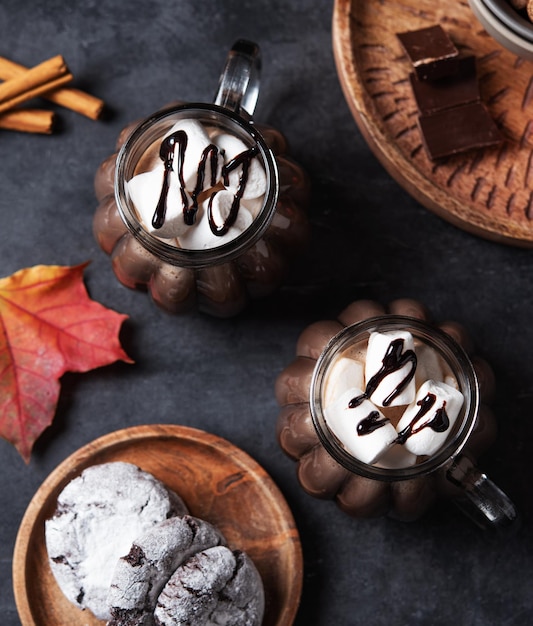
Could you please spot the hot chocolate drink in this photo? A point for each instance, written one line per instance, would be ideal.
(390, 399)
(198, 187)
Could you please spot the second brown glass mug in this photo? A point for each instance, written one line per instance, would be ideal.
(328, 468)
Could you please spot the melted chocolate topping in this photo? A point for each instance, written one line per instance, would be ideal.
(166, 154)
(440, 422)
(210, 153)
(244, 159)
(370, 423)
(395, 358)
(393, 361)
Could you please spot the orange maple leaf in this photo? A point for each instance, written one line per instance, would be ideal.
(48, 325)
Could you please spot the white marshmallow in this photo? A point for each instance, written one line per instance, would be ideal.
(197, 141)
(345, 373)
(344, 422)
(221, 206)
(201, 237)
(429, 365)
(145, 190)
(254, 205)
(256, 181)
(396, 457)
(450, 379)
(424, 440)
(378, 345)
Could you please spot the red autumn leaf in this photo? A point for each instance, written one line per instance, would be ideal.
(48, 326)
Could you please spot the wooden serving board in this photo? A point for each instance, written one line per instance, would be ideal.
(486, 192)
(217, 481)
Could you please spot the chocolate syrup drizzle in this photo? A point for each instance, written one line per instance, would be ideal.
(210, 153)
(440, 422)
(244, 159)
(395, 358)
(393, 361)
(166, 154)
(370, 423)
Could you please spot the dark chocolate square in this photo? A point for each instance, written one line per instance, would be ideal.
(457, 130)
(431, 51)
(454, 90)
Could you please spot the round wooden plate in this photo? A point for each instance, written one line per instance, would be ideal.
(486, 192)
(217, 481)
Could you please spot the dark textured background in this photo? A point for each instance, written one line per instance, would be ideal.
(370, 239)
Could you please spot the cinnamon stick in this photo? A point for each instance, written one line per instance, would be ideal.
(44, 77)
(28, 121)
(73, 99)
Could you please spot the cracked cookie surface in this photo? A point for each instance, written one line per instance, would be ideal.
(143, 572)
(98, 515)
(215, 587)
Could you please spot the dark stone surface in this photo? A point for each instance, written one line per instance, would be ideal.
(370, 239)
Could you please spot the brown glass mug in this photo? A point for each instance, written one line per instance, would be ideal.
(328, 469)
(220, 278)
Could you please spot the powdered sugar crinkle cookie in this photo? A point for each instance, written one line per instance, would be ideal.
(142, 573)
(98, 516)
(214, 587)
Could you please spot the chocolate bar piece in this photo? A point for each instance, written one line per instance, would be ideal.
(431, 51)
(454, 90)
(458, 129)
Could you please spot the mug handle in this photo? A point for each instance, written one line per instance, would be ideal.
(479, 498)
(238, 87)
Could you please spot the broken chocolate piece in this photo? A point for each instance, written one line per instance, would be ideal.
(458, 129)
(451, 91)
(431, 51)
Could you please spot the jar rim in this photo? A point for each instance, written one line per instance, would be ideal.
(185, 257)
(454, 355)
